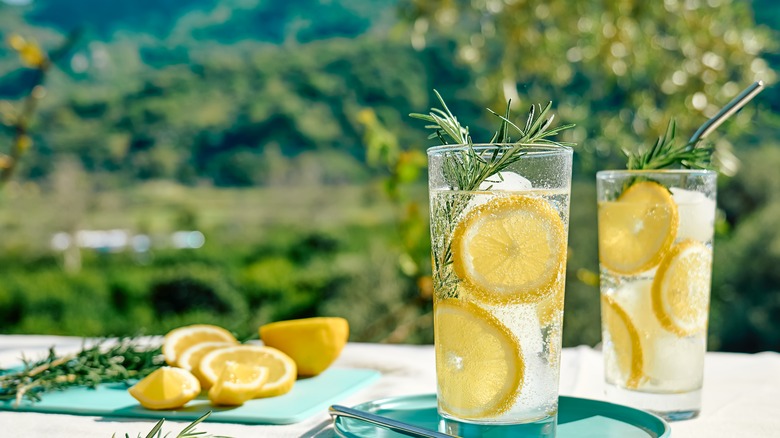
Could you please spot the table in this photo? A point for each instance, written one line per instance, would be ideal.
(741, 393)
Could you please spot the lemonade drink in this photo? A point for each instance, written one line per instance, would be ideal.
(655, 252)
(499, 259)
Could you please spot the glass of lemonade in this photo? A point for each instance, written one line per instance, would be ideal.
(655, 231)
(499, 265)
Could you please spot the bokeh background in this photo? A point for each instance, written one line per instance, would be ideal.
(235, 162)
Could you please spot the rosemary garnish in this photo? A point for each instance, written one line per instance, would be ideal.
(103, 362)
(666, 152)
(467, 168)
(187, 432)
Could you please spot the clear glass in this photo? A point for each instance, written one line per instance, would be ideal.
(655, 232)
(499, 265)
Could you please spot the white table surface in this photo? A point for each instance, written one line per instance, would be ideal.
(741, 393)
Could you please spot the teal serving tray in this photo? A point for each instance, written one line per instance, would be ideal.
(577, 417)
(309, 396)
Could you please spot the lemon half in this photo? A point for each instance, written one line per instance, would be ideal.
(180, 339)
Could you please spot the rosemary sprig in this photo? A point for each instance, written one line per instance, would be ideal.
(187, 432)
(666, 152)
(467, 168)
(101, 362)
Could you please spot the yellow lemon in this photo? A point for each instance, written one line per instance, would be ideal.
(637, 230)
(166, 388)
(313, 343)
(281, 368)
(681, 288)
(237, 384)
(479, 364)
(511, 249)
(182, 338)
(191, 357)
(627, 347)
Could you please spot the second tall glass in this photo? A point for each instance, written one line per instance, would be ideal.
(655, 253)
(499, 265)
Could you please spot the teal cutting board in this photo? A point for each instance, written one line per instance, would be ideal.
(308, 397)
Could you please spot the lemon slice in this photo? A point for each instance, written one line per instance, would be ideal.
(191, 357)
(637, 230)
(237, 384)
(182, 338)
(281, 368)
(313, 343)
(510, 250)
(166, 388)
(681, 288)
(626, 344)
(479, 365)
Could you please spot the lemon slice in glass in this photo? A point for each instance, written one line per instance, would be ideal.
(281, 368)
(511, 249)
(479, 364)
(637, 230)
(237, 384)
(681, 288)
(166, 388)
(626, 344)
(180, 339)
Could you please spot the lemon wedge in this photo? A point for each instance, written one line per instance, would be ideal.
(166, 388)
(191, 357)
(313, 343)
(479, 364)
(626, 344)
(182, 338)
(637, 230)
(511, 249)
(281, 368)
(681, 288)
(237, 384)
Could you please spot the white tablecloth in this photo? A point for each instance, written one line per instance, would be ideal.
(741, 393)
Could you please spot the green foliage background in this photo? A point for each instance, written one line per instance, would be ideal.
(280, 130)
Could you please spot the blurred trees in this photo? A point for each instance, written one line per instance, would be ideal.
(618, 69)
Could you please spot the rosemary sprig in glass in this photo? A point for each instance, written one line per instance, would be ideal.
(666, 153)
(103, 362)
(468, 167)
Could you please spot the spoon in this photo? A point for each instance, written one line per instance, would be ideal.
(727, 111)
(387, 423)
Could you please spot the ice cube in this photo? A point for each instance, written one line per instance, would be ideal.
(697, 214)
(506, 181)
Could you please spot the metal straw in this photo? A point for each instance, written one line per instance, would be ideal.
(727, 111)
(387, 423)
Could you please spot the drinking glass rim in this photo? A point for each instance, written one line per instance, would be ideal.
(626, 172)
(534, 149)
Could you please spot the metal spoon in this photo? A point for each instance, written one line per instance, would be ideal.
(727, 111)
(387, 423)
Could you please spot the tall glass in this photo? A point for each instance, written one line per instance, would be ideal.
(499, 264)
(655, 255)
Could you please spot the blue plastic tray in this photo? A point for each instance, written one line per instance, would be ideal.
(308, 397)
